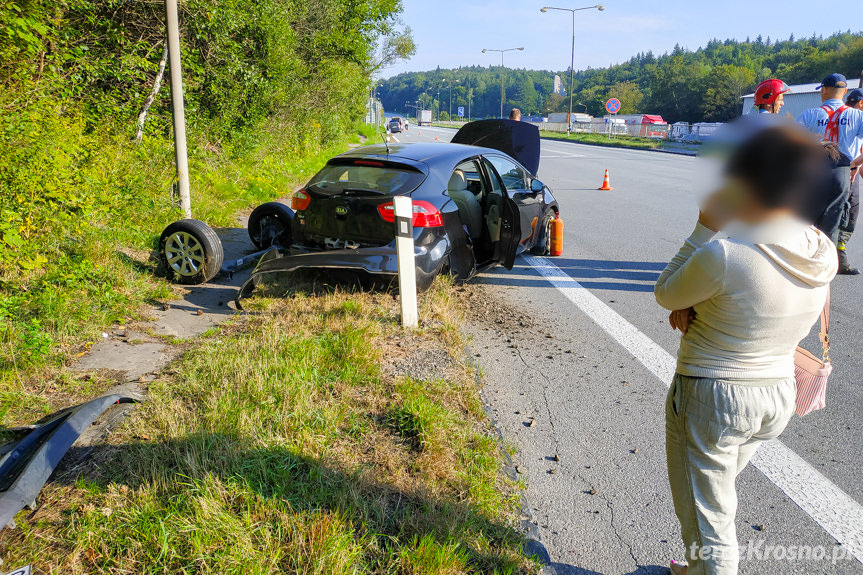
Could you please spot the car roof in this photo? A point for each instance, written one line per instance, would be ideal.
(426, 153)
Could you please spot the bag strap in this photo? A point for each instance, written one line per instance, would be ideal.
(824, 333)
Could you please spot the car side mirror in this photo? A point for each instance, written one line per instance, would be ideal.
(536, 186)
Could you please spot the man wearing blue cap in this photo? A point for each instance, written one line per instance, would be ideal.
(841, 125)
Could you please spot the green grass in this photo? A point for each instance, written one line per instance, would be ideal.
(282, 445)
(100, 269)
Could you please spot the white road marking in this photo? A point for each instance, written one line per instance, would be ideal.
(563, 153)
(833, 509)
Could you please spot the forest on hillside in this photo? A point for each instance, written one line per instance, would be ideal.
(683, 85)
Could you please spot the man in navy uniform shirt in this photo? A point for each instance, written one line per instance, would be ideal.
(842, 125)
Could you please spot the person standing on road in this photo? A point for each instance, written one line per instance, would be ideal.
(515, 115)
(770, 96)
(854, 99)
(840, 125)
(743, 304)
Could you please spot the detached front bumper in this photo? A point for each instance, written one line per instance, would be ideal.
(431, 249)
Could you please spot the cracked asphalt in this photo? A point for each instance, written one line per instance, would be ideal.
(587, 419)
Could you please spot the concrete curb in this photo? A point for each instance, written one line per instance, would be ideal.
(534, 546)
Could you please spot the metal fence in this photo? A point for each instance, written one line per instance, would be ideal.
(678, 132)
(610, 128)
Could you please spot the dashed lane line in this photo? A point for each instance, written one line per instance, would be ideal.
(829, 506)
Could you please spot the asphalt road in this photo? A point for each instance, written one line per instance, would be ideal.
(575, 380)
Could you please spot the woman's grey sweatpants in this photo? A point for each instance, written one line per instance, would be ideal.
(712, 429)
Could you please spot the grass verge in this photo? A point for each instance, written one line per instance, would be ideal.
(311, 436)
(92, 276)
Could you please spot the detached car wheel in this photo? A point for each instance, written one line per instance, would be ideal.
(270, 225)
(191, 252)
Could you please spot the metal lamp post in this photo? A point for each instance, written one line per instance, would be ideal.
(599, 7)
(450, 99)
(502, 89)
(179, 114)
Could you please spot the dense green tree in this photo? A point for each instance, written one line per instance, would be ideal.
(701, 85)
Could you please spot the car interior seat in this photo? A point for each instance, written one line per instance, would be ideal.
(469, 207)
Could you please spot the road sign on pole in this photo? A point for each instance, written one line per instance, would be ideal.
(461, 111)
(613, 106)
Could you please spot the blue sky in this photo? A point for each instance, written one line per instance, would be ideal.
(452, 33)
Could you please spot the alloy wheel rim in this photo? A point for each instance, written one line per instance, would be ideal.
(184, 254)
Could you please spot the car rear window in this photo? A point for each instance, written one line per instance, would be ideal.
(366, 176)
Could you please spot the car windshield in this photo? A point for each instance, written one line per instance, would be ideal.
(367, 177)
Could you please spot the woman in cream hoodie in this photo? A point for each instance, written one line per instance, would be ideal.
(743, 303)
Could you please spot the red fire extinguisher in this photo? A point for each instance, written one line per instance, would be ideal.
(556, 237)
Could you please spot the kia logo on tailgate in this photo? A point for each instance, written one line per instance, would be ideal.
(341, 210)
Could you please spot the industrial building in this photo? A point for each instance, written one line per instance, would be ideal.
(801, 97)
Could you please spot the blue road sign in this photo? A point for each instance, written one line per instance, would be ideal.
(613, 106)
(461, 111)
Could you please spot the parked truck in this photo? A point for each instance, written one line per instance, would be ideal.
(425, 118)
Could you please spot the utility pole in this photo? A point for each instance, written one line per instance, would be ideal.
(179, 115)
(502, 89)
(450, 98)
(599, 7)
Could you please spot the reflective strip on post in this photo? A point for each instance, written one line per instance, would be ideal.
(403, 207)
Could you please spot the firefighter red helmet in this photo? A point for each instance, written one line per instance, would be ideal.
(768, 90)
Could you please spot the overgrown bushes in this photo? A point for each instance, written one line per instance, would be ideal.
(271, 87)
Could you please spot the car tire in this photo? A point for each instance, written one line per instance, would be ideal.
(543, 248)
(271, 224)
(191, 252)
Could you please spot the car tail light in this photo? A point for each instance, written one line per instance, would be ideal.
(425, 214)
(300, 200)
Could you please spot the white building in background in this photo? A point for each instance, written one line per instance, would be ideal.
(558, 86)
(801, 97)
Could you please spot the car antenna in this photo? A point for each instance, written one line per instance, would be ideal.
(386, 143)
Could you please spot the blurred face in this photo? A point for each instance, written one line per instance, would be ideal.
(858, 105)
(777, 105)
(734, 202)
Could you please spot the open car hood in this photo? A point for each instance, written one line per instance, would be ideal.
(519, 140)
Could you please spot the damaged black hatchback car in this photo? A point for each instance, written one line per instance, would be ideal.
(476, 203)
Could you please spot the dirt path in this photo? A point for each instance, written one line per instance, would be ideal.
(135, 355)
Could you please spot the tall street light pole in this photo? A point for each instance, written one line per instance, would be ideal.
(450, 99)
(502, 89)
(599, 7)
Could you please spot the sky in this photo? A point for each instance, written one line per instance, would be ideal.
(452, 33)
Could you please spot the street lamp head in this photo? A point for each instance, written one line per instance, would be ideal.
(600, 7)
(544, 10)
(522, 48)
(484, 50)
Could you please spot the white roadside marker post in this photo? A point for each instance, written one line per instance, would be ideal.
(403, 207)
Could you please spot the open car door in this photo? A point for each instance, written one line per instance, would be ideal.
(510, 233)
(519, 140)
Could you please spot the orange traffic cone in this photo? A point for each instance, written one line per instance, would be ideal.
(606, 184)
(436, 139)
(421, 132)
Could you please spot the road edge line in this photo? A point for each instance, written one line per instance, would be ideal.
(824, 502)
